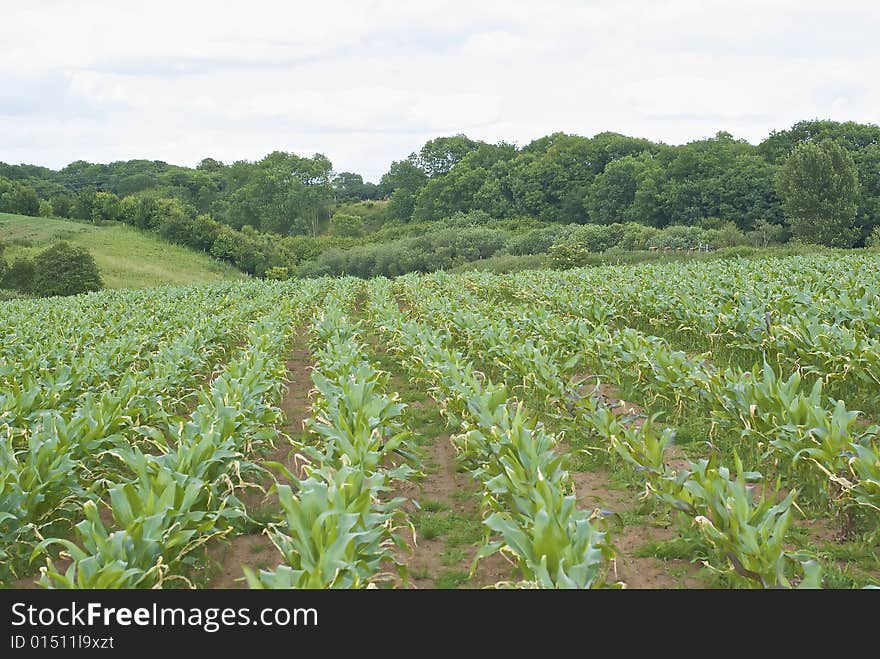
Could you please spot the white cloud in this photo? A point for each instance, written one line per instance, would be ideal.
(369, 82)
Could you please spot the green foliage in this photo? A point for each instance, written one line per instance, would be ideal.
(373, 213)
(348, 186)
(65, 269)
(608, 179)
(537, 241)
(401, 204)
(202, 232)
(576, 243)
(442, 249)
(277, 273)
(20, 198)
(344, 224)
(83, 205)
(62, 205)
(820, 188)
(105, 208)
(19, 276)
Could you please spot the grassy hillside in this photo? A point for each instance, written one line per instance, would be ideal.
(127, 257)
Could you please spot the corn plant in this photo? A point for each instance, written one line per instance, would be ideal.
(36, 492)
(336, 533)
(746, 536)
(557, 548)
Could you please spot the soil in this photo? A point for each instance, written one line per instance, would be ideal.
(441, 485)
(234, 552)
(593, 489)
(252, 550)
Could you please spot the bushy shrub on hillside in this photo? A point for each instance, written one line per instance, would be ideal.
(537, 241)
(475, 218)
(874, 238)
(344, 224)
(572, 248)
(277, 273)
(19, 275)
(567, 254)
(434, 251)
(20, 198)
(106, 208)
(679, 237)
(203, 231)
(62, 204)
(635, 236)
(596, 237)
(65, 269)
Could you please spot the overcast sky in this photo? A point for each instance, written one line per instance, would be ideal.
(366, 83)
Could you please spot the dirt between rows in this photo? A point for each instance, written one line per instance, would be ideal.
(442, 484)
(594, 489)
(256, 550)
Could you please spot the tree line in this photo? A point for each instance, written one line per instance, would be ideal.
(818, 181)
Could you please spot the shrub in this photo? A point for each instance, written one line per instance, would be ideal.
(567, 255)
(439, 250)
(105, 208)
(536, 241)
(344, 224)
(224, 246)
(635, 236)
(678, 237)
(595, 237)
(174, 224)
(724, 234)
(19, 276)
(874, 238)
(277, 273)
(475, 218)
(65, 269)
(22, 199)
(61, 205)
(203, 232)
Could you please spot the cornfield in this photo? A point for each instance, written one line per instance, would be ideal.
(140, 430)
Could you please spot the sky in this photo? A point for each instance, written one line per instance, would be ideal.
(369, 82)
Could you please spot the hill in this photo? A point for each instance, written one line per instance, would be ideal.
(127, 257)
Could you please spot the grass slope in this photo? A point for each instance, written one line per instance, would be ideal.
(127, 257)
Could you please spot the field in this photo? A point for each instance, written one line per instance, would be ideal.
(685, 425)
(126, 257)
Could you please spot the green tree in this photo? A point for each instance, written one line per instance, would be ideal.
(65, 269)
(868, 163)
(174, 224)
(441, 154)
(62, 204)
(348, 186)
(401, 184)
(19, 276)
(819, 187)
(21, 199)
(277, 272)
(105, 207)
(83, 205)
(401, 205)
(203, 232)
(625, 191)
